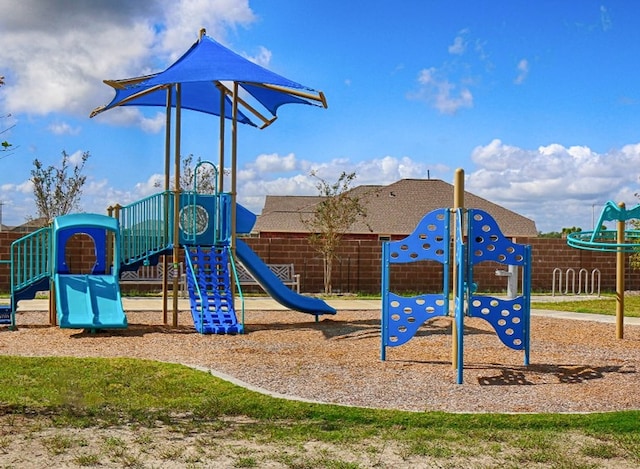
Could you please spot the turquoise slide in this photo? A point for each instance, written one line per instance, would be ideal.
(89, 302)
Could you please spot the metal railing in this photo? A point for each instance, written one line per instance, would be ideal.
(30, 259)
(145, 227)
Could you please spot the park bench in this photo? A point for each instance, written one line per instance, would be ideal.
(152, 275)
(285, 273)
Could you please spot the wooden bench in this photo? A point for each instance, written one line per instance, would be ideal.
(284, 272)
(152, 275)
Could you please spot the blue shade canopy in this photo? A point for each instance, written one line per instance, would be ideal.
(198, 96)
(202, 72)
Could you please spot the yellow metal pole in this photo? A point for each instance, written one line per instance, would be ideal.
(167, 185)
(110, 260)
(458, 202)
(234, 163)
(620, 279)
(223, 96)
(265, 121)
(176, 205)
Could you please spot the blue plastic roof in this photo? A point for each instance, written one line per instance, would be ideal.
(198, 96)
(85, 220)
(208, 60)
(199, 69)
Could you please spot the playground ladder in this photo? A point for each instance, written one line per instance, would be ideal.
(210, 292)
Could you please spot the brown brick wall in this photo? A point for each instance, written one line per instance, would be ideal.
(358, 266)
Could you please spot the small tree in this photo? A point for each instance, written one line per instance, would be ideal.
(57, 190)
(332, 218)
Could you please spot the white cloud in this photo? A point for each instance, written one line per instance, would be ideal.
(129, 116)
(605, 18)
(263, 58)
(25, 187)
(151, 185)
(440, 93)
(273, 163)
(523, 71)
(66, 63)
(63, 128)
(76, 157)
(556, 186)
(153, 124)
(458, 47)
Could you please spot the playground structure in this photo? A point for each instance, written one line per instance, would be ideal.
(205, 225)
(621, 241)
(139, 234)
(476, 238)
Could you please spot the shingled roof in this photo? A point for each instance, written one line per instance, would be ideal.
(395, 209)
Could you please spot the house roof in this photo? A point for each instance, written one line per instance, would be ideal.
(395, 209)
(31, 225)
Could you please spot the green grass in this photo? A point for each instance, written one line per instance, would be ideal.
(102, 393)
(606, 304)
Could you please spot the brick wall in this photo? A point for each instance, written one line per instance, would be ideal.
(358, 266)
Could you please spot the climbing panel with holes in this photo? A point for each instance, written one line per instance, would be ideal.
(508, 317)
(403, 316)
(477, 238)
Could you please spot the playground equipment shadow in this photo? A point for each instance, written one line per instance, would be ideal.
(132, 304)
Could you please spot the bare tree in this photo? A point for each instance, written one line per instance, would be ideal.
(5, 147)
(57, 190)
(332, 218)
(206, 177)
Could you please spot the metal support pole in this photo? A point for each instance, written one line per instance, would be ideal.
(176, 205)
(167, 185)
(620, 278)
(458, 202)
(234, 171)
(223, 101)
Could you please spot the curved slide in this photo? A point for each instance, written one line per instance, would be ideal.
(274, 287)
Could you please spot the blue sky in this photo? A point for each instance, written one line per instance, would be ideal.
(537, 101)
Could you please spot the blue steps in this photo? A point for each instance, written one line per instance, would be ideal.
(210, 293)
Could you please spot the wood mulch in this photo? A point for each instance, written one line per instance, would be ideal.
(576, 366)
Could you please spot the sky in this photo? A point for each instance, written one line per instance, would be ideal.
(538, 102)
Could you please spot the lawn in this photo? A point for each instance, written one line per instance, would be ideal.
(137, 413)
(606, 304)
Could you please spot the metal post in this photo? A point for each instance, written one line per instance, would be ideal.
(234, 164)
(223, 100)
(176, 205)
(620, 278)
(165, 200)
(458, 202)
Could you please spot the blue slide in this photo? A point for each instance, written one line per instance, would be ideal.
(274, 287)
(89, 302)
